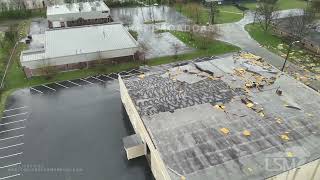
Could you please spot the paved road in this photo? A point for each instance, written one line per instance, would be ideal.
(70, 130)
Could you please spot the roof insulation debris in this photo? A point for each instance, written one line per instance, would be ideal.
(224, 117)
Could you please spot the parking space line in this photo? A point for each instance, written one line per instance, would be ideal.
(49, 88)
(104, 75)
(73, 83)
(15, 108)
(15, 115)
(2, 124)
(36, 90)
(111, 77)
(10, 165)
(12, 129)
(86, 81)
(13, 137)
(11, 155)
(7, 177)
(15, 145)
(97, 79)
(61, 85)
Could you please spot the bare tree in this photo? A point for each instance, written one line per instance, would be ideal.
(316, 5)
(47, 70)
(207, 35)
(300, 26)
(213, 11)
(266, 13)
(297, 28)
(176, 48)
(194, 10)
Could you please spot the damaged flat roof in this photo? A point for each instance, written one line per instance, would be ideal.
(227, 117)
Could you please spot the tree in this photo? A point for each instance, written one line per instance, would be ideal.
(266, 13)
(176, 48)
(298, 27)
(213, 10)
(206, 36)
(194, 10)
(11, 34)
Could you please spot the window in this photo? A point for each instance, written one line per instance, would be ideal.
(105, 11)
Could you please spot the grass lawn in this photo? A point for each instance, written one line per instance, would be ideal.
(214, 47)
(283, 4)
(277, 45)
(228, 13)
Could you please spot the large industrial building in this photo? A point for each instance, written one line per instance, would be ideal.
(80, 47)
(77, 14)
(223, 118)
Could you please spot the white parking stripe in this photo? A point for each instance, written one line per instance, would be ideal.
(36, 90)
(15, 115)
(49, 88)
(14, 129)
(11, 155)
(13, 137)
(110, 77)
(98, 79)
(7, 177)
(86, 81)
(2, 124)
(62, 85)
(15, 145)
(74, 83)
(15, 108)
(16, 164)
(104, 75)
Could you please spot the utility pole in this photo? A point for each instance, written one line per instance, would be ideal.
(288, 53)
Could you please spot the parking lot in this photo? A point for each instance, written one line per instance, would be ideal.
(68, 130)
(98, 79)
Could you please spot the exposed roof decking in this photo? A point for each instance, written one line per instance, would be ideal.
(188, 135)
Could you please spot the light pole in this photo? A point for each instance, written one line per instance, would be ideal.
(288, 52)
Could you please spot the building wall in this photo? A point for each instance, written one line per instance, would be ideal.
(82, 65)
(78, 58)
(309, 171)
(135, 151)
(158, 167)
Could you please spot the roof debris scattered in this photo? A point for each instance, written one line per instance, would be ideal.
(213, 115)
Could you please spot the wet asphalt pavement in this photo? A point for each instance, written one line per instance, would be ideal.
(70, 130)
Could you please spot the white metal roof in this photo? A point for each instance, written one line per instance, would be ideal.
(77, 7)
(88, 39)
(83, 40)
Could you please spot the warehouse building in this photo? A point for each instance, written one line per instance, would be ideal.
(77, 14)
(225, 118)
(80, 47)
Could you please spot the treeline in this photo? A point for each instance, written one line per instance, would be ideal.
(18, 12)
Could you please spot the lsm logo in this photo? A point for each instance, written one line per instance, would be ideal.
(289, 159)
